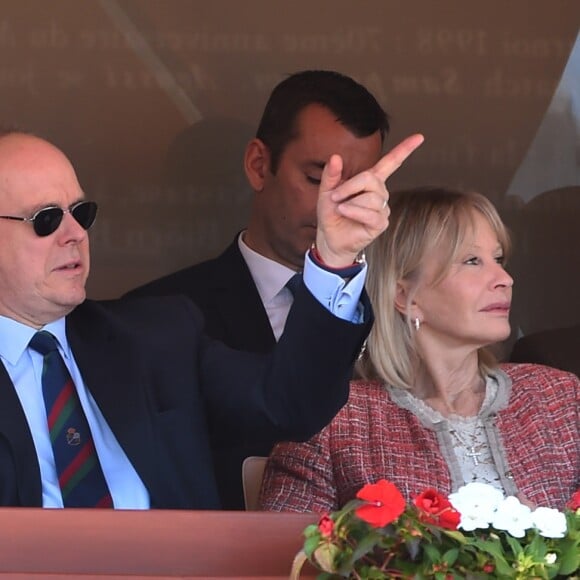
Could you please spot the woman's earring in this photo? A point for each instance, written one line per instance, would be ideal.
(417, 323)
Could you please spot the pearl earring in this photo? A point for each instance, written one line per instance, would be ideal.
(417, 323)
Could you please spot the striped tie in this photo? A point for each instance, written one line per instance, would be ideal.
(80, 476)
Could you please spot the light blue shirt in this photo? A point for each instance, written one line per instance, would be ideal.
(24, 366)
(339, 296)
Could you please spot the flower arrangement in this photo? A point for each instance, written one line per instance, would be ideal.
(473, 533)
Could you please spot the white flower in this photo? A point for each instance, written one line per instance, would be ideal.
(477, 503)
(513, 517)
(551, 558)
(550, 522)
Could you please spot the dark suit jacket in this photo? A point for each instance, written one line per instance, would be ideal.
(163, 387)
(558, 348)
(225, 292)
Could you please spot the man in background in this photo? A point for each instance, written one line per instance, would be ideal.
(245, 293)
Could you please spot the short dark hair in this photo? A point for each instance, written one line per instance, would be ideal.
(354, 106)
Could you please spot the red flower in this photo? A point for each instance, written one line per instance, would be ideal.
(574, 502)
(325, 526)
(436, 509)
(385, 503)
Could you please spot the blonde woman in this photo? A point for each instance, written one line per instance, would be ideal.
(434, 408)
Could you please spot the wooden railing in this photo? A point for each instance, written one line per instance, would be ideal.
(87, 544)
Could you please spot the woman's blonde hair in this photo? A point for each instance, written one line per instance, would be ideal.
(421, 220)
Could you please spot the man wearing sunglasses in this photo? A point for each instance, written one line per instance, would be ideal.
(140, 374)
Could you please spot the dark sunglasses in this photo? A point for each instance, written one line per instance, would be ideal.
(46, 220)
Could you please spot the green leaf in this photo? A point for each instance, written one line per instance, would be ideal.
(537, 548)
(413, 547)
(515, 546)
(494, 549)
(569, 561)
(491, 547)
(365, 546)
(325, 555)
(310, 545)
(372, 573)
(450, 556)
(312, 531)
(503, 569)
(456, 535)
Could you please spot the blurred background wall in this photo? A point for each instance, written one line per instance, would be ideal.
(154, 101)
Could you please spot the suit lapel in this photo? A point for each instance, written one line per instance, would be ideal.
(14, 428)
(111, 371)
(238, 302)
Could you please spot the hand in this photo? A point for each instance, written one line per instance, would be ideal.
(353, 213)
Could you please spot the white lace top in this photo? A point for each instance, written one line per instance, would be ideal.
(466, 438)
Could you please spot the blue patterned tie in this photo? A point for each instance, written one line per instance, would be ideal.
(80, 476)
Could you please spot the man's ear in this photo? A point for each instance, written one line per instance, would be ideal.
(256, 163)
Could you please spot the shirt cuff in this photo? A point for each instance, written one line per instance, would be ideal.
(339, 296)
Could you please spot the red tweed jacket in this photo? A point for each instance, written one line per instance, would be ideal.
(373, 438)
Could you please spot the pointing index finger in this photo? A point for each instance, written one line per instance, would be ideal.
(390, 162)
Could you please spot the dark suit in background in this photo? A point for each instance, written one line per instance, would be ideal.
(309, 116)
(558, 348)
(164, 387)
(225, 292)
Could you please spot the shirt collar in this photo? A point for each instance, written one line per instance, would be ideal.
(15, 336)
(269, 276)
